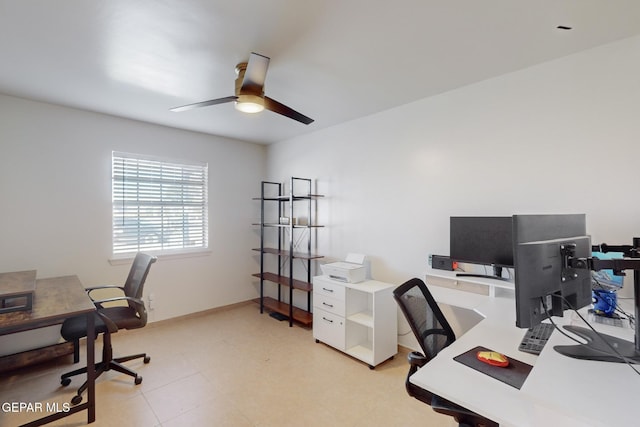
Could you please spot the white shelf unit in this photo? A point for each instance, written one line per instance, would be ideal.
(359, 319)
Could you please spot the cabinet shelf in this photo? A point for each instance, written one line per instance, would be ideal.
(362, 352)
(282, 252)
(364, 318)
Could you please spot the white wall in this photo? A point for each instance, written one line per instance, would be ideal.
(561, 137)
(55, 190)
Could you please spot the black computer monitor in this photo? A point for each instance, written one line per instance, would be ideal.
(542, 279)
(482, 240)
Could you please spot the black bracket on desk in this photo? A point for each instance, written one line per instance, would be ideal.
(630, 262)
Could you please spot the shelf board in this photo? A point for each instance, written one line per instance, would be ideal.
(364, 318)
(362, 351)
(286, 198)
(301, 255)
(284, 280)
(299, 315)
(275, 224)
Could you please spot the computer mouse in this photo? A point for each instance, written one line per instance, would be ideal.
(493, 358)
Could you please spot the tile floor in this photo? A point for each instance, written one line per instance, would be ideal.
(235, 368)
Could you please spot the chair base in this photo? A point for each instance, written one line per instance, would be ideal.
(101, 367)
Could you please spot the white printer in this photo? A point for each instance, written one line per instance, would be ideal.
(351, 270)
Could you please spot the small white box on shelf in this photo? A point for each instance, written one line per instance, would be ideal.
(351, 270)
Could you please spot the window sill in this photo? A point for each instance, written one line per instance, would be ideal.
(127, 259)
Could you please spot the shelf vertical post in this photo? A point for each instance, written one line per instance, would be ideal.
(262, 247)
(279, 241)
(309, 223)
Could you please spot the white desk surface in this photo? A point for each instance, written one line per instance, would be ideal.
(559, 391)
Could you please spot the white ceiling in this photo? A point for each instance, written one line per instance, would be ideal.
(332, 60)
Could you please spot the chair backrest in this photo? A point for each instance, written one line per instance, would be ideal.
(137, 275)
(425, 318)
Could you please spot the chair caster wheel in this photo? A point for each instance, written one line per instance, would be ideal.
(138, 380)
(65, 381)
(146, 359)
(76, 399)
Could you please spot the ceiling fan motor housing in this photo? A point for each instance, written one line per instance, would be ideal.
(241, 68)
(249, 100)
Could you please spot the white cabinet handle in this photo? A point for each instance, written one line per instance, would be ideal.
(328, 305)
(328, 290)
(328, 320)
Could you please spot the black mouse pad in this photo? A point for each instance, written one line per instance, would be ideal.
(515, 374)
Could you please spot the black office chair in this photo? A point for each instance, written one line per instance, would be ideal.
(433, 333)
(109, 320)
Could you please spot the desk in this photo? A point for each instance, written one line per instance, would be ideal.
(54, 300)
(558, 391)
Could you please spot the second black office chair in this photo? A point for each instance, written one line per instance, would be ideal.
(110, 319)
(433, 333)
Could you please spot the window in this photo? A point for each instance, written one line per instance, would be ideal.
(159, 206)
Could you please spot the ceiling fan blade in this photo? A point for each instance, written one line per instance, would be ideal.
(276, 107)
(204, 103)
(255, 74)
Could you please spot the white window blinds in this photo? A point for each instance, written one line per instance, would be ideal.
(159, 206)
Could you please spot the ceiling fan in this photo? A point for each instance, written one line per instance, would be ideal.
(250, 97)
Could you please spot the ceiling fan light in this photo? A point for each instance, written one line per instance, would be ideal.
(250, 104)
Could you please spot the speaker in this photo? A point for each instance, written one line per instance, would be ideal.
(441, 262)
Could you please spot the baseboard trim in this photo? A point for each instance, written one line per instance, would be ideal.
(198, 314)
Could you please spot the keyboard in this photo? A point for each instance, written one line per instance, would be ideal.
(535, 338)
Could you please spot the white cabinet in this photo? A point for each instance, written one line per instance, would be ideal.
(359, 319)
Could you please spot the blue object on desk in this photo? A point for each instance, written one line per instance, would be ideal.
(604, 302)
(605, 278)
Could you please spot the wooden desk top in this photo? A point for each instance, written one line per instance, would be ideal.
(17, 283)
(55, 299)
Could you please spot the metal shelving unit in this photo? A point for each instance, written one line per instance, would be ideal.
(292, 244)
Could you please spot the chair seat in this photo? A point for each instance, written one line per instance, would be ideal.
(75, 328)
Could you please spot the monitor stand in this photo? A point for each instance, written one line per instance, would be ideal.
(597, 349)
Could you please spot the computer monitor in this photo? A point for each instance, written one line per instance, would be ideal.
(542, 279)
(482, 240)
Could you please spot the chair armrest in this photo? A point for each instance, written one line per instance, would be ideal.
(111, 326)
(93, 288)
(139, 306)
(416, 360)
(99, 302)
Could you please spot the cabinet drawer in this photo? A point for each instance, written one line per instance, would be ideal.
(329, 328)
(327, 303)
(328, 288)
